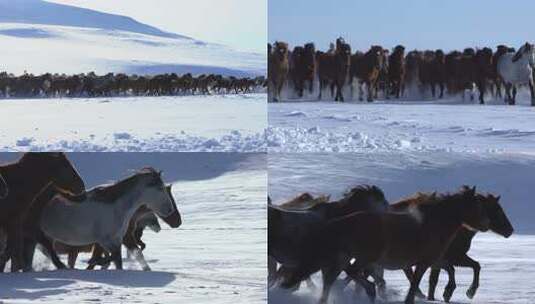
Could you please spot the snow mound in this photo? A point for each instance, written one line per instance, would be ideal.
(391, 127)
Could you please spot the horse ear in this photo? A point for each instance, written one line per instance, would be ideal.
(518, 54)
(498, 198)
(472, 190)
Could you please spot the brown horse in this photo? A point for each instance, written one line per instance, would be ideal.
(27, 177)
(366, 68)
(333, 69)
(390, 239)
(432, 71)
(396, 71)
(278, 68)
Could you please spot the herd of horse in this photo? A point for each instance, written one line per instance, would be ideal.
(92, 85)
(394, 73)
(362, 235)
(43, 200)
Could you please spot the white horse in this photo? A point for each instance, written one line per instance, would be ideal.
(517, 69)
(102, 215)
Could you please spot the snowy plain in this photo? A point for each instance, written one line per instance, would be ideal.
(216, 256)
(507, 264)
(400, 126)
(182, 123)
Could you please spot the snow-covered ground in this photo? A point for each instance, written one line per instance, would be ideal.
(45, 37)
(396, 126)
(185, 123)
(507, 264)
(216, 256)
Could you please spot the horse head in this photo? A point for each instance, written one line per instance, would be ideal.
(474, 214)
(158, 197)
(499, 223)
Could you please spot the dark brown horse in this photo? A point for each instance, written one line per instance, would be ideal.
(456, 255)
(433, 71)
(392, 240)
(27, 177)
(483, 71)
(288, 228)
(333, 69)
(396, 71)
(366, 68)
(278, 68)
(303, 68)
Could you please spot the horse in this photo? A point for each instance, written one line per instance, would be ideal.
(333, 69)
(287, 228)
(456, 255)
(366, 69)
(483, 71)
(516, 70)
(302, 70)
(396, 71)
(4, 190)
(27, 177)
(101, 216)
(142, 218)
(392, 240)
(278, 68)
(432, 71)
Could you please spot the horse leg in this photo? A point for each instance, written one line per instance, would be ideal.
(514, 95)
(321, 89)
(532, 91)
(410, 276)
(466, 261)
(361, 91)
(355, 272)
(450, 287)
(415, 283)
(329, 276)
(433, 281)
(378, 274)
(371, 87)
(481, 86)
(272, 271)
(29, 251)
(73, 255)
(47, 244)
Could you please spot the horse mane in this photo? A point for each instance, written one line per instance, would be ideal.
(520, 52)
(426, 198)
(305, 201)
(362, 190)
(109, 193)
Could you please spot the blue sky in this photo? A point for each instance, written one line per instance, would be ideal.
(241, 24)
(451, 24)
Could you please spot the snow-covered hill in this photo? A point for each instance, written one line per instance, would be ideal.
(41, 37)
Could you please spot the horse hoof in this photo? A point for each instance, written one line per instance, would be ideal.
(447, 296)
(420, 294)
(147, 268)
(470, 293)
